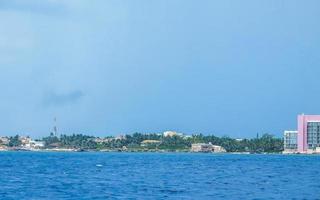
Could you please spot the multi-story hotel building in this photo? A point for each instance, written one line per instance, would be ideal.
(290, 141)
(308, 135)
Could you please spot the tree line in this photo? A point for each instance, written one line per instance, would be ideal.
(266, 143)
(138, 141)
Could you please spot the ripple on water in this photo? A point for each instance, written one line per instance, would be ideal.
(33, 175)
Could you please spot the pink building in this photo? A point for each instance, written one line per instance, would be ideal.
(308, 132)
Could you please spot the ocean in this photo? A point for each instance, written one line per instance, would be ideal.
(74, 176)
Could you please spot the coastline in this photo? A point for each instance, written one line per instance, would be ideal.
(66, 150)
(114, 150)
(78, 150)
(146, 151)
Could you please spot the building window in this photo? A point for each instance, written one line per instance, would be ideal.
(313, 134)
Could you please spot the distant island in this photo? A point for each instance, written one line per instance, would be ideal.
(168, 141)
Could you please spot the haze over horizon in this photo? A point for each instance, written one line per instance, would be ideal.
(233, 68)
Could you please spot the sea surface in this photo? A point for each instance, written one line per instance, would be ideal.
(74, 176)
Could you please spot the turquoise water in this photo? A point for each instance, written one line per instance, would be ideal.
(39, 175)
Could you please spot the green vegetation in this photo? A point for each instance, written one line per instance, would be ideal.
(14, 141)
(267, 143)
(156, 142)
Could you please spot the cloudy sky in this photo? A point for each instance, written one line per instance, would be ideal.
(101, 67)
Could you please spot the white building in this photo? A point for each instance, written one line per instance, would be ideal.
(37, 144)
(4, 140)
(203, 147)
(290, 141)
(171, 134)
(218, 149)
(32, 144)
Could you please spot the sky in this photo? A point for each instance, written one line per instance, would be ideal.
(110, 67)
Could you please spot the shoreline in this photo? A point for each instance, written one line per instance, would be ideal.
(144, 151)
(119, 151)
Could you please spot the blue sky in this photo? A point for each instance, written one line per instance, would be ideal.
(232, 68)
